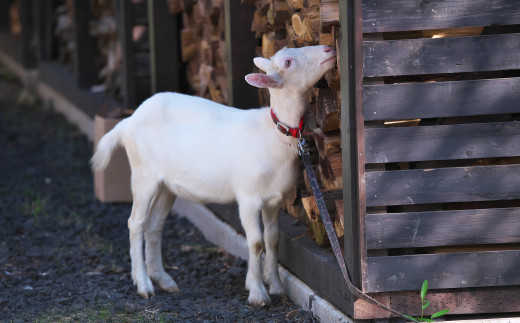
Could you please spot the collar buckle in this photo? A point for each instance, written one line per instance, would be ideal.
(283, 128)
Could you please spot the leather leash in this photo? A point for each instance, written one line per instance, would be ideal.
(325, 217)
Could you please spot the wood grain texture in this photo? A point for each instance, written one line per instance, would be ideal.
(441, 99)
(442, 228)
(459, 301)
(441, 55)
(399, 15)
(455, 270)
(445, 142)
(443, 185)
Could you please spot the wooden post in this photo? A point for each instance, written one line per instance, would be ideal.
(165, 61)
(351, 76)
(122, 9)
(4, 15)
(240, 49)
(84, 64)
(28, 49)
(43, 28)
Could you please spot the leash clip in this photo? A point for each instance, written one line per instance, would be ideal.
(301, 144)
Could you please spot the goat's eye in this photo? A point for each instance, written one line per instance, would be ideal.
(287, 63)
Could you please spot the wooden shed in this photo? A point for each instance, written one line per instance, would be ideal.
(415, 133)
(434, 155)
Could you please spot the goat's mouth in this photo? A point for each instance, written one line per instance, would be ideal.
(329, 59)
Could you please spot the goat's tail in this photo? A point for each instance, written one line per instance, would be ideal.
(106, 146)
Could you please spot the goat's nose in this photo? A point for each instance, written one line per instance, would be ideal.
(327, 49)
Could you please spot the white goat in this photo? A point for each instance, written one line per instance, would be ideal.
(186, 146)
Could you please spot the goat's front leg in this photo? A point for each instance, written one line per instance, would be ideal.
(136, 224)
(153, 234)
(249, 215)
(271, 275)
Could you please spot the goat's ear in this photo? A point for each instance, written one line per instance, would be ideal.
(262, 63)
(263, 80)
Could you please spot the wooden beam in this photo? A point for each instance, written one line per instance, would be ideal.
(85, 53)
(444, 142)
(452, 270)
(443, 185)
(240, 48)
(443, 228)
(441, 99)
(4, 15)
(43, 14)
(400, 15)
(122, 11)
(351, 135)
(165, 61)
(28, 47)
(459, 301)
(441, 55)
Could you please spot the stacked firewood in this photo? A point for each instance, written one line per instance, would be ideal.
(103, 27)
(203, 46)
(297, 23)
(15, 26)
(277, 23)
(64, 33)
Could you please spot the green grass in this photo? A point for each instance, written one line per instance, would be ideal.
(100, 312)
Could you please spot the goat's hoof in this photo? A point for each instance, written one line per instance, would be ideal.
(145, 294)
(170, 288)
(259, 298)
(166, 283)
(145, 290)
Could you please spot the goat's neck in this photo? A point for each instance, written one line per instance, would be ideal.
(289, 107)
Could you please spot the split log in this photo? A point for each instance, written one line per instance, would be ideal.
(315, 224)
(339, 225)
(299, 27)
(278, 13)
(295, 4)
(327, 144)
(327, 110)
(329, 15)
(331, 166)
(273, 42)
(175, 6)
(203, 47)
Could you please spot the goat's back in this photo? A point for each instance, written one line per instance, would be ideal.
(203, 150)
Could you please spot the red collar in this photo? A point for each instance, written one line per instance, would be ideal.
(285, 129)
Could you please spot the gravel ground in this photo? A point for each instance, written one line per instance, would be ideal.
(64, 256)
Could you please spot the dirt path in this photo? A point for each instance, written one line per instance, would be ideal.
(64, 256)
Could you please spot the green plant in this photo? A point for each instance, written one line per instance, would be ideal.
(36, 207)
(424, 304)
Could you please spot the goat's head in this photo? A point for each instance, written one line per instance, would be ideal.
(293, 69)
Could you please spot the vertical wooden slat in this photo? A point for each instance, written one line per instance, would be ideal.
(164, 47)
(122, 10)
(84, 55)
(350, 20)
(4, 15)
(240, 51)
(28, 50)
(43, 29)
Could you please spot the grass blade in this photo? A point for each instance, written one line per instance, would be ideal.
(441, 313)
(424, 289)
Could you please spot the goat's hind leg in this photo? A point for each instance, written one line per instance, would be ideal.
(143, 194)
(153, 233)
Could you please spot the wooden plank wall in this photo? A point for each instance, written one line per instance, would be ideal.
(441, 144)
